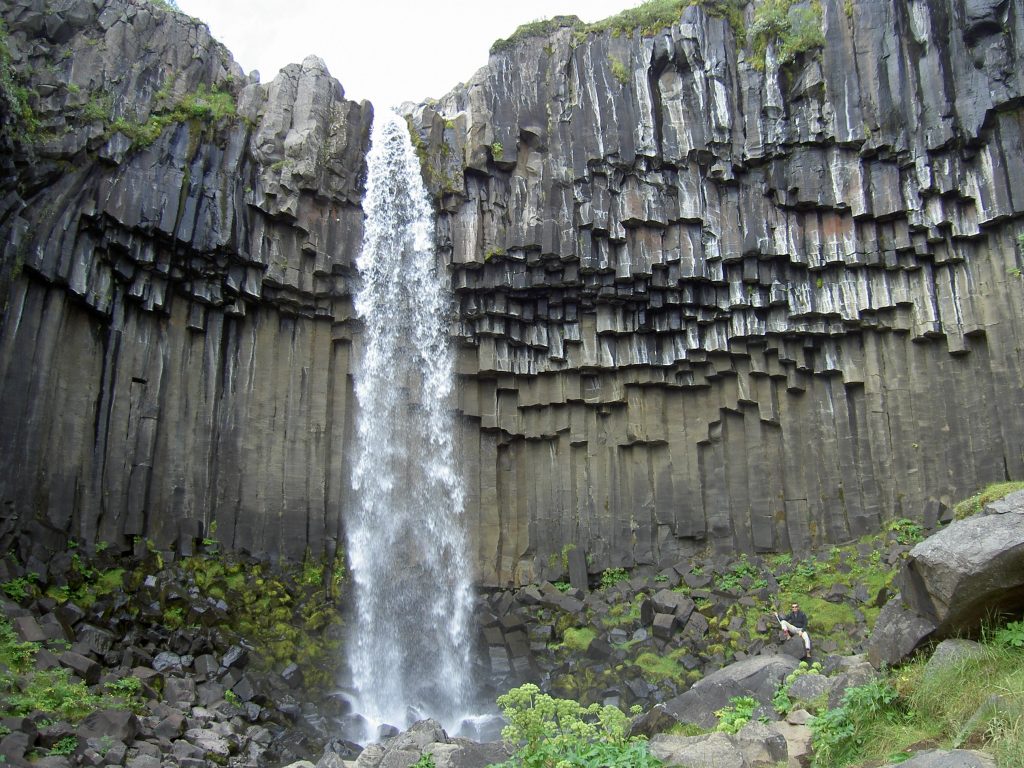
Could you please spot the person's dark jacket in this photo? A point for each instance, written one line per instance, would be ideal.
(797, 619)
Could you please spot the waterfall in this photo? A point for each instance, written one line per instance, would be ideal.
(407, 538)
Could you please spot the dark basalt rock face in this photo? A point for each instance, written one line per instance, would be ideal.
(708, 304)
(170, 351)
(698, 302)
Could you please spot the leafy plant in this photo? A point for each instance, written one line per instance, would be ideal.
(907, 531)
(232, 698)
(64, 746)
(552, 732)
(838, 734)
(780, 700)
(733, 717)
(612, 576)
(426, 761)
(20, 588)
(733, 578)
(1012, 635)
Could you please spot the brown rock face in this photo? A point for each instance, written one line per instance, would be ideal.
(699, 302)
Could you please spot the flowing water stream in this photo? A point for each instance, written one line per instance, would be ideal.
(407, 539)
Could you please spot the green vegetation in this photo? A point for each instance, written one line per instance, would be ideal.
(612, 576)
(647, 18)
(497, 150)
(619, 70)
(20, 588)
(426, 761)
(24, 689)
(977, 502)
(656, 668)
(655, 15)
(578, 639)
(781, 700)
(884, 719)
(64, 746)
(622, 614)
(551, 732)
(733, 717)
(1011, 636)
(205, 105)
(794, 28)
(541, 28)
(289, 614)
(17, 96)
(907, 531)
(734, 577)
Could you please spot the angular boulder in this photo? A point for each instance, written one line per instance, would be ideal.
(973, 567)
(758, 676)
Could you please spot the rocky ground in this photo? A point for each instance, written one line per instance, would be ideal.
(154, 659)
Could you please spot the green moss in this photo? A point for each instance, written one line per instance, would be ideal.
(624, 614)
(619, 70)
(656, 668)
(977, 502)
(578, 639)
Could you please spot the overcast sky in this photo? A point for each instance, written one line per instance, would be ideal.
(387, 51)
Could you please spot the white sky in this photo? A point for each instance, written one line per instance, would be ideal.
(387, 51)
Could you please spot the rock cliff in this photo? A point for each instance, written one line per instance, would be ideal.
(709, 293)
(178, 250)
(710, 298)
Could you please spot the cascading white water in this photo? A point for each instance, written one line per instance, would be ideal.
(407, 539)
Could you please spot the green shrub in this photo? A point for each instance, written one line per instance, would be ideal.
(1012, 635)
(839, 734)
(550, 732)
(20, 588)
(781, 701)
(907, 531)
(794, 30)
(65, 746)
(612, 576)
(733, 717)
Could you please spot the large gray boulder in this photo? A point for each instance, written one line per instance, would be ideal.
(712, 750)
(758, 676)
(972, 568)
(954, 579)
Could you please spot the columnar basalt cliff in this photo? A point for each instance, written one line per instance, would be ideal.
(703, 300)
(713, 299)
(179, 248)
